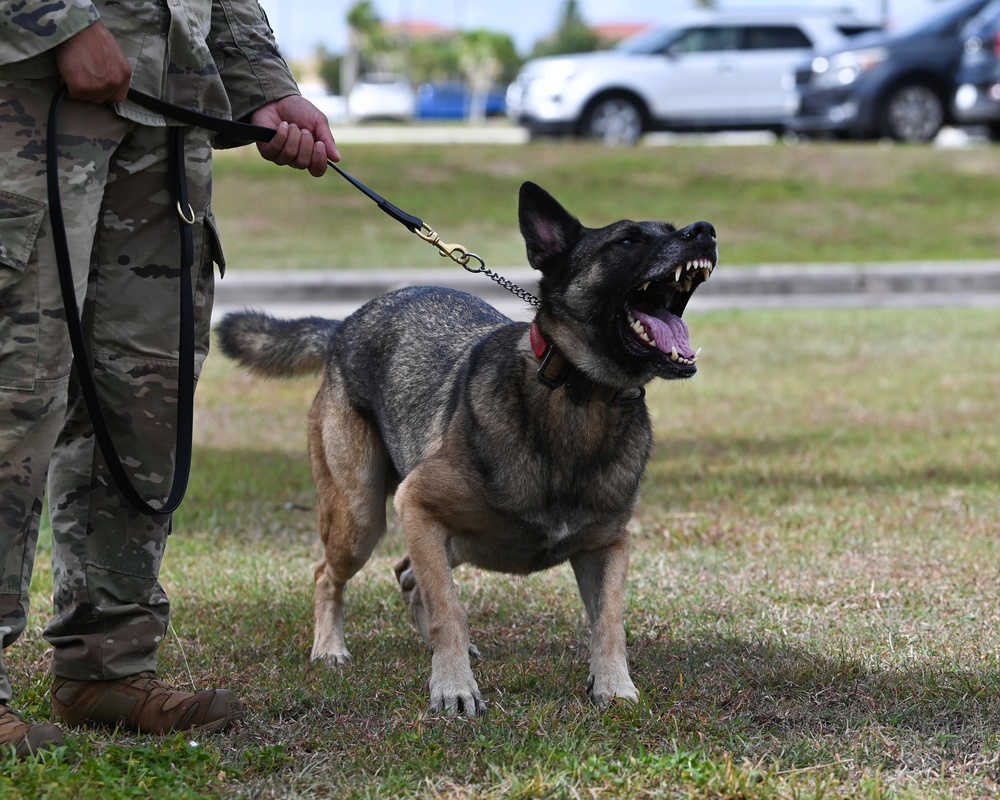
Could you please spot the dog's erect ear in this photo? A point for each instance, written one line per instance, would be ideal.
(549, 230)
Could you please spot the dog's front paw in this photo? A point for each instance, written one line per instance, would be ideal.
(456, 695)
(605, 690)
(461, 701)
(336, 658)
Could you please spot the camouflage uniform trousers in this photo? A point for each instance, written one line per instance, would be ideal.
(109, 610)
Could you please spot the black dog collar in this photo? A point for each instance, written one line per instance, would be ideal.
(555, 371)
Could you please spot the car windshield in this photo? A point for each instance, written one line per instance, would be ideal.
(647, 42)
(946, 20)
(986, 20)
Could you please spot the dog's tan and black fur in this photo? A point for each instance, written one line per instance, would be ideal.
(507, 448)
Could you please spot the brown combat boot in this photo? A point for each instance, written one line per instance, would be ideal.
(26, 738)
(143, 704)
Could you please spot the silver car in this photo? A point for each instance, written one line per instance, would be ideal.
(381, 96)
(708, 71)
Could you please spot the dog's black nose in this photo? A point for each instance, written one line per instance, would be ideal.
(702, 231)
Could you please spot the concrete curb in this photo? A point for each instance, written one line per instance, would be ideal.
(335, 293)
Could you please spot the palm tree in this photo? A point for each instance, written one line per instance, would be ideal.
(482, 58)
(364, 36)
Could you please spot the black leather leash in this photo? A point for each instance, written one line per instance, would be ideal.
(81, 358)
(82, 362)
(240, 131)
(258, 133)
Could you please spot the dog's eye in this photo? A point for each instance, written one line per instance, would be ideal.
(626, 242)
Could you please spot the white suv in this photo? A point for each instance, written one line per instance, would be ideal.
(706, 71)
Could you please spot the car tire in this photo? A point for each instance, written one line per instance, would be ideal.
(616, 121)
(913, 112)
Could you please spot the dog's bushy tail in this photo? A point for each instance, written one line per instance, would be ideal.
(276, 348)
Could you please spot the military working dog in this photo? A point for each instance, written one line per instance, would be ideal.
(510, 446)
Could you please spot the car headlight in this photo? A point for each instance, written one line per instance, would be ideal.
(966, 96)
(548, 83)
(844, 68)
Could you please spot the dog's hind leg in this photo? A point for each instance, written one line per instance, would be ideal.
(411, 598)
(414, 602)
(350, 470)
(600, 574)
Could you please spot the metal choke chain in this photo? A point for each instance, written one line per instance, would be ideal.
(510, 286)
(461, 255)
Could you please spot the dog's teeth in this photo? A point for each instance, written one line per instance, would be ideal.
(706, 272)
(673, 354)
(644, 287)
(642, 333)
(697, 353)
(677, 274)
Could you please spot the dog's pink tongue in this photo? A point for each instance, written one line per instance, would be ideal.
(668, 333)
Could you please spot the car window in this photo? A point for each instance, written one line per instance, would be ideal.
(707, 39)
(774, 37)
(657, 40)
(857, 30)
(945, 22)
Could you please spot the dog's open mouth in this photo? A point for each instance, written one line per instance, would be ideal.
(654, 311)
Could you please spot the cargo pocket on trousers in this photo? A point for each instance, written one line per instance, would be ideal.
(204, 299)
(20, 220)
(214, 242)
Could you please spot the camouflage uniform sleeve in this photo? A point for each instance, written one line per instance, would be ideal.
(31, 27)
(252, 69)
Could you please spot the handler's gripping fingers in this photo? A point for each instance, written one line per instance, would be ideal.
(297, 148)
(290, 147)
(303, 156)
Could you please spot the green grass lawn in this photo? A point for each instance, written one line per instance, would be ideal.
(813, 605)
(774, 204)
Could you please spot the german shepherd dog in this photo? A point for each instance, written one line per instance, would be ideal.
(510, 446)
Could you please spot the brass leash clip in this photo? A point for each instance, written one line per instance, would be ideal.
(456, 252)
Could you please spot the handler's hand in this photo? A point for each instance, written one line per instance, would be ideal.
(94, 66)
(303, 140)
